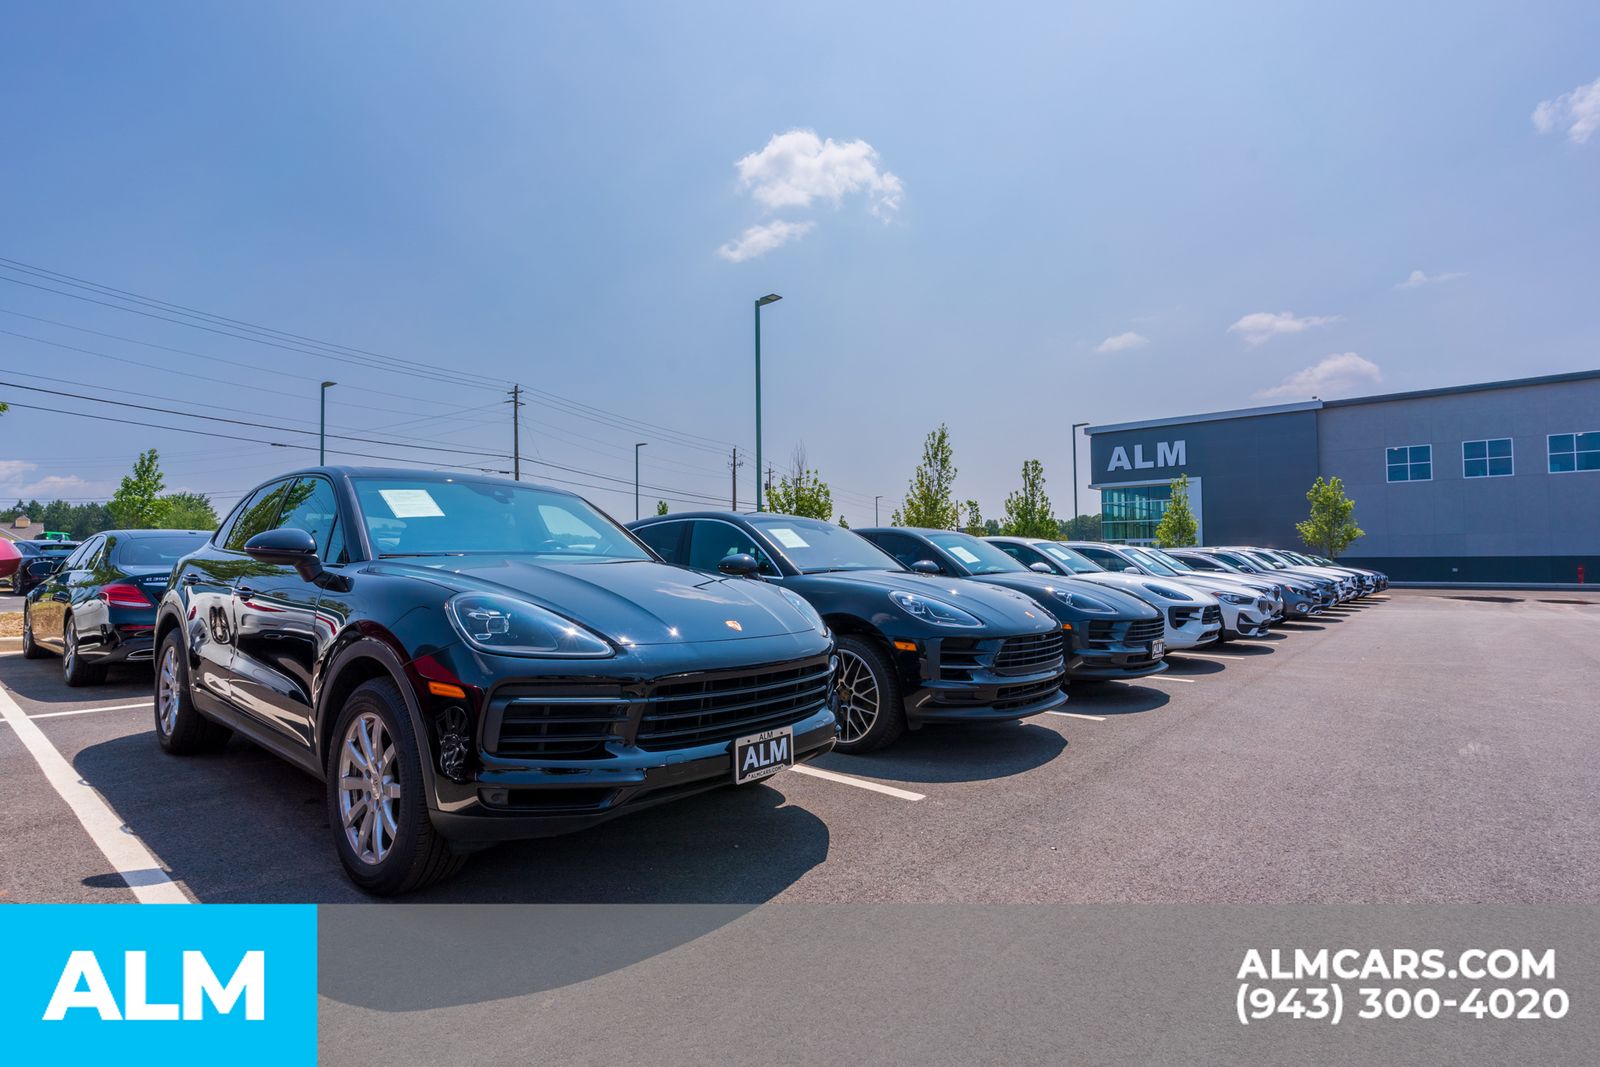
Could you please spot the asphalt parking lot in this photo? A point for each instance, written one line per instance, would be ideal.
(1423, 746)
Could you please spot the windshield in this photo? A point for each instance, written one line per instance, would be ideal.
(1267, 560)
(814, 546)
(978, 557)
(1170, 560)
(1074, 561)
(160, 550)
(423, 517)
(1149, 562)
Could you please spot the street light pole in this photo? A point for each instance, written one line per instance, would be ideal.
(637, 445)
(770, 298)
(875, 508)
(322, 423)
(1075, 512)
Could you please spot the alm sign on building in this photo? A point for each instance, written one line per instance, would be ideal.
(1168, 454)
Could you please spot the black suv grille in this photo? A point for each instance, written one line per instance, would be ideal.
(1103, 633)
(1020, 696)
(567, 722)
(700, 709)
(1212, 614)
(1179, 616)
(962, 659)
(1029, 655)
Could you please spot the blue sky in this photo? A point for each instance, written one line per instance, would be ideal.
(1009, 219)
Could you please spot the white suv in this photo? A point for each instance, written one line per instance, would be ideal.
(1245, 612)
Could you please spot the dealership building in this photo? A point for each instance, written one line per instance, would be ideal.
(1498, 482)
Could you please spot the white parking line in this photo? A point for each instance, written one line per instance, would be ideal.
(859, 783)
(148, 705)
(1166, 678)
(137, 865)
(1075, 715)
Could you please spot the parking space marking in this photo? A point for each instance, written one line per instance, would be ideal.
(137, 865)
(1166, 678)
(1075, 715)
(146, 704)
(859, 783)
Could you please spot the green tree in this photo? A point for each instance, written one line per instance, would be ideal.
(803, 493)
(974, 520)
(1028, 511)
(1081, 528)
(137, 504)
(661, 507)
(1177, 527)
(188, 511)
(928, 499)
(991, 527)
(846, 525)
(1332, 527)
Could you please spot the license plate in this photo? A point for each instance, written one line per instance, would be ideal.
(1158, 648)
(762, 755)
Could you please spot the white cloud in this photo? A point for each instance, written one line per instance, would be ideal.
(1336, 374)
(1264, 325)
(12, 470)
(759, 240)
(1577, 111)
(796, 170)
(1122, 342)
(798, 167)
(1417, 279)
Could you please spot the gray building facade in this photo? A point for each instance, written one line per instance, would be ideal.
(1498, 482)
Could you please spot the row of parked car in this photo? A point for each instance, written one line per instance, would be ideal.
(462, 660)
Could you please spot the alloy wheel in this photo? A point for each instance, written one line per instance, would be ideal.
(69, 648)
(167, 691)
(858, 697)
(369, 788)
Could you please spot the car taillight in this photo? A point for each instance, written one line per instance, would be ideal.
(128, 596)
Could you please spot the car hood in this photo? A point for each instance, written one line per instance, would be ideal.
(1001, 608)
(636, 602)
(1139, 585)
(1042, 588)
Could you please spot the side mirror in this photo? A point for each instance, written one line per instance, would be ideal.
(40, 569)
(926, 566)
(739, 565)
(1042, 568)
(287, 547)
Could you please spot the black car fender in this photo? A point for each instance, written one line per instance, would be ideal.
(343, 674)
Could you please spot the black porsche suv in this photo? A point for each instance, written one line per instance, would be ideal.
(914, 648)
(467, 659)
(1110, 634)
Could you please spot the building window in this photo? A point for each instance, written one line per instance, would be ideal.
(1131, 515)
(1411, 463)
(1574, 452)
(1486, 459)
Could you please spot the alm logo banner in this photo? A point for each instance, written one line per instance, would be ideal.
(135, 983)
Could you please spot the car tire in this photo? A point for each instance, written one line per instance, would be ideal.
(180, 728)
(74, 671)
(374, 720)
(31, 649)
(871, 712)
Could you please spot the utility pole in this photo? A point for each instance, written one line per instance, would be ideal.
(769, 480)
(734, 464)
(516, 433)
(875, 500)
(322, 424)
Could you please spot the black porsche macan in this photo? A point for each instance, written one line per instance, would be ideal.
(466, 659)
(1110, 634)
(914, 648)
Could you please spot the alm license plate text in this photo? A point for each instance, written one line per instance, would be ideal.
(762, 755)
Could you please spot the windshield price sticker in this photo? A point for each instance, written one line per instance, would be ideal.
(411, 503)
(1328, 985)
(788, 538)
(964, 554)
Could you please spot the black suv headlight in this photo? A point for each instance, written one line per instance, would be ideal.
(506, 626)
